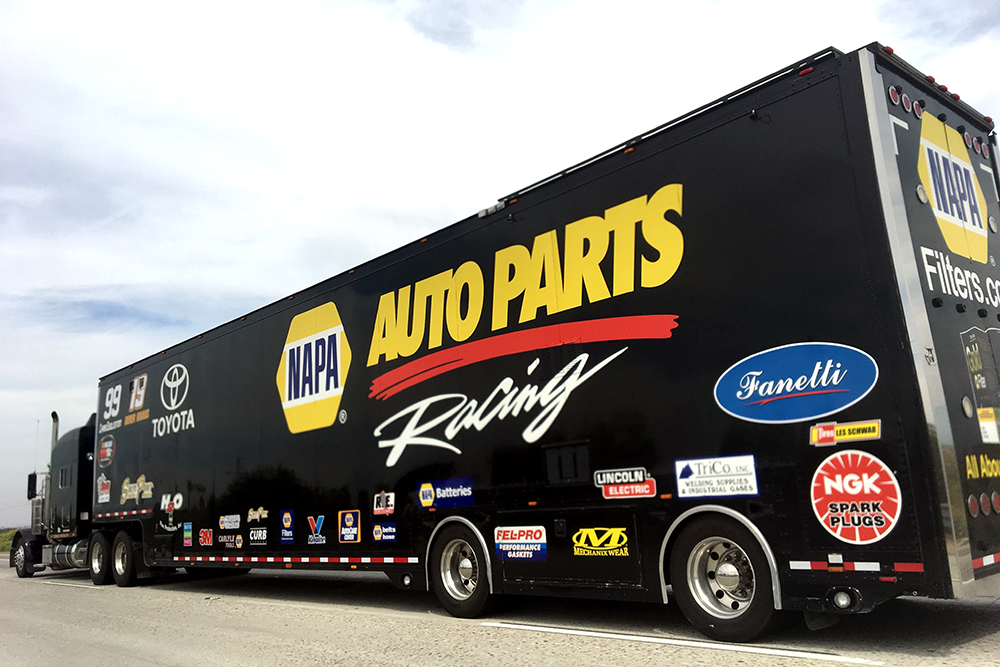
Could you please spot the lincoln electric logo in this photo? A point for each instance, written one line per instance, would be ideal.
(795, 383)
(953, 189)
(313, 369)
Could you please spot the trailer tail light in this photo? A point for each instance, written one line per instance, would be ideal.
(894, 95)
(918, 108)
(968, 140)
(975, 145)
(973, 506)
(984, 503)
(889, 50)
(996, 502)
(986, 151)
(806, 71)
(907, 104)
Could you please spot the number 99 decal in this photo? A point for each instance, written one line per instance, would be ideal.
(112, 402)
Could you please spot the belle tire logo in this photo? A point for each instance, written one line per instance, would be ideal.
(856, 497)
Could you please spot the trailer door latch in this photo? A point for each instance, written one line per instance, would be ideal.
(929, 356)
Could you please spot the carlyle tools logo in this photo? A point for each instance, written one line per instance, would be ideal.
(313, 369)
(953, 190)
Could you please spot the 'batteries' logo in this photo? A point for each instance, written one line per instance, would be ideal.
(953, 189)
(313, 369)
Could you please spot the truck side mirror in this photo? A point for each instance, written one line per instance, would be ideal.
(32, 485)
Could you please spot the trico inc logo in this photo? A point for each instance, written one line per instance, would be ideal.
(313, 369)
(174, 387)
(953, 189)
(796, 382)
(600, 542)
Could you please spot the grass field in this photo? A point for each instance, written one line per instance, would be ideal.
(5, 539)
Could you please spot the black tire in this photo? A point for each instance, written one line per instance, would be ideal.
(458, 569)
(722, 582)
(22, 559)
(123, 560)
(99, 557)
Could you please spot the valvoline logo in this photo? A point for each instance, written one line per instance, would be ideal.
(795, 383)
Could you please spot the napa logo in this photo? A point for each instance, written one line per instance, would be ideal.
(795, 383)
(313, 369)
(953, 190)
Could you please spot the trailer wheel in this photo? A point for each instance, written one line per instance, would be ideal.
(100, 560)
(722, 582)
(123, 560)
(22, 559)
(458, 572)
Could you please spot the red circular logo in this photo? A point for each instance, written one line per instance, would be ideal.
(856, 497)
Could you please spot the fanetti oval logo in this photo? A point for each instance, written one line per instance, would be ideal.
(796, 382)
(174, 387)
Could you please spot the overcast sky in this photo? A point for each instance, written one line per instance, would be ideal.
(166, 167)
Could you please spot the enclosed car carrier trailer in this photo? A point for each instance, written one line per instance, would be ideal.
(743, 361)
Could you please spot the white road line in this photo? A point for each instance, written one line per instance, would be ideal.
(737, 648)
(59, 583)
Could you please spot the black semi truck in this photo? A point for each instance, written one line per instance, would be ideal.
(743, 361)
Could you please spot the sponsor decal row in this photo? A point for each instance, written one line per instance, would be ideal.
(296, 559)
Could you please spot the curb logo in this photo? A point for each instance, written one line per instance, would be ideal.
(600, 542)
(947, 175)
(313, 369)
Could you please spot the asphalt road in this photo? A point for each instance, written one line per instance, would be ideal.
(349, 618)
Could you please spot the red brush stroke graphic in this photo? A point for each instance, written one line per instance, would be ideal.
(588, 331)
(799, 395)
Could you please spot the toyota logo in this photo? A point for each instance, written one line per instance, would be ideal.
(174, 388)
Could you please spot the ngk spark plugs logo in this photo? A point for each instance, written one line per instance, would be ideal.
(313, 369)
(795, 383)
(856, 497)
(953, 190)
(173, 391)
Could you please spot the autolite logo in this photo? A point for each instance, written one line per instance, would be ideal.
(313, 369)
(795, 383)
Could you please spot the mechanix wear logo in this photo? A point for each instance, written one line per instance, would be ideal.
(313, 369)
(600, 542)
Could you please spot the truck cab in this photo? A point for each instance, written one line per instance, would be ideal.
(61, 510)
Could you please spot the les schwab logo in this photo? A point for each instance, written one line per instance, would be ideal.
(313, 369)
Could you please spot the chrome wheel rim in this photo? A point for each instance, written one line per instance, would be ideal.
(96, 557)
(459, 569)
(19, 558)
(120, 558)
(721, 577)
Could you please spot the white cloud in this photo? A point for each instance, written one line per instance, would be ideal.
(164, 168)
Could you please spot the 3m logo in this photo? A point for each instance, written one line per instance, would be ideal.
(600, 542)
(313, 369)
(951, 183)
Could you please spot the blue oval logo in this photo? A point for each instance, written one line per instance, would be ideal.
(795, 383)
